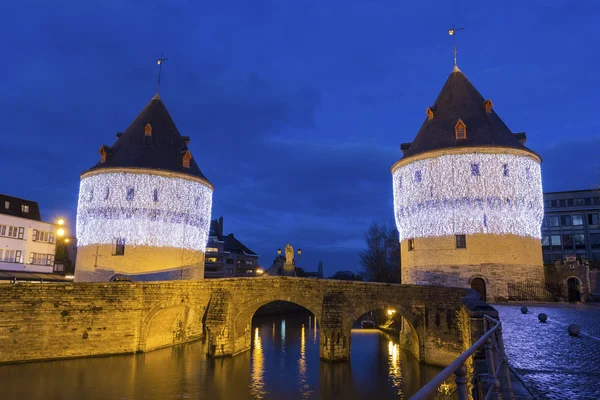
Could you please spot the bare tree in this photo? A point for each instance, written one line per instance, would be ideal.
(381, 260)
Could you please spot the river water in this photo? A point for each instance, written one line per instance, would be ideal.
(282, 364)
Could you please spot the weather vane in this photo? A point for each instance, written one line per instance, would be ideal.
(452, 32)
(160, 63)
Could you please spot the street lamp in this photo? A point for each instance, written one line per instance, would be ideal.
(278, 252)
(60, 221)
(259, 271)
(60, 232)
(391, 312)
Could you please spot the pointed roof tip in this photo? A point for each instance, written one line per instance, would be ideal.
(156, 97)
(455, 69)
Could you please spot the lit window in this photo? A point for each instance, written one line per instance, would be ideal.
(553, 220)
(488, 106)
(119, 247)
(579, 241)
(411, 244)
(460, 129)
(506, 170)
(148, 130)
(429, 113)
(211, 259)
(461, 242)
(7, 205)
(577, 220)
(418, 176)
(24, 208)
(187, 157)
(475, 169)
(211, 250)
(130, 193)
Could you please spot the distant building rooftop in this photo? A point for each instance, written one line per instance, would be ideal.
(21, 208)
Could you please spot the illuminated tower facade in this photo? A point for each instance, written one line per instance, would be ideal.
(144, 209)
(468, 198)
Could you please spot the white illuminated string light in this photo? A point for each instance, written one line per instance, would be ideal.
(469, 193)
(122, 205)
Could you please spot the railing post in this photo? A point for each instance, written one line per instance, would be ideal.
(492, 378)
(506, 382)
(461, 382)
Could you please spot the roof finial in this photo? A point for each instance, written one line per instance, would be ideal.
(160, 63)
(452, 32)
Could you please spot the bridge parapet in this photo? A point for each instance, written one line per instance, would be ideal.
(83, 319)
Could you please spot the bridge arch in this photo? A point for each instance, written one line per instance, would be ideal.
(169, 324)
(412, 332)
(242, 317)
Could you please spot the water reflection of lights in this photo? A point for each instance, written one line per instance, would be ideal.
(395, 366)
(257, 387)
(282, 332)
(315, 329)
(302, 372)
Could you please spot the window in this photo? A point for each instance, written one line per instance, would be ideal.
(130, 193)
(555, 241)
(562, 203)
(579, 241)
(553, 203)
(588, 201)
(155, 195)
(597, 201)
(567, 241)
(577, 220)
(41, 259)
(578, 202)
(7, 205)
(418, 176)
(229, 261)
(595, 241)
(488, 105)
(461, 242)
(553, 220)
(460, 130)
(211, 250)
(411, 244)
(570, 203)
(24, 208)
(43, 236)
(475, 169)
(592, 219)
(545, 243)
(187, 157)
(429, 113)
(565, 220)
(11, 231)
(249, 262)
(119, 247)
(506, 170)
(148, 130)
(211, 259)
(10, 255)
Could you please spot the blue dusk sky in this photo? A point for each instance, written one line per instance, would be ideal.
(296, 108)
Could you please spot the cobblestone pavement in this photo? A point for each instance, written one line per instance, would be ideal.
(552, 364)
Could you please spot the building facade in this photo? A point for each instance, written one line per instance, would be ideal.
(468, 197)
(227, 257)
(144, 208)
(26, 242)
(571, 226)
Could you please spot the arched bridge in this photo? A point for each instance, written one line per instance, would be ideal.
(46, 321)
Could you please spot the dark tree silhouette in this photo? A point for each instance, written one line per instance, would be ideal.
(381, 260)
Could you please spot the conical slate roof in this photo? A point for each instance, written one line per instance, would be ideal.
(164, 149)
(460, 100)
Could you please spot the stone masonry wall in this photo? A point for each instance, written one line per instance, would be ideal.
(47, 321)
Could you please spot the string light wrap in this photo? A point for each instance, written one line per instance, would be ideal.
(467, 194)
(143, 209)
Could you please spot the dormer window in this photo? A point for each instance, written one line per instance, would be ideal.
(148, 130)
(429, 113)
(102, 155)
(187, 157)
(488, 106)
(460, 129)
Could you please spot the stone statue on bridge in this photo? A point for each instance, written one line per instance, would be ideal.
(289, 254)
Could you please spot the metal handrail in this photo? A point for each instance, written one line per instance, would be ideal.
(457, 366)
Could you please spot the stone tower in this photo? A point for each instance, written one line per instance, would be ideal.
(468, 197)
(144, 209)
